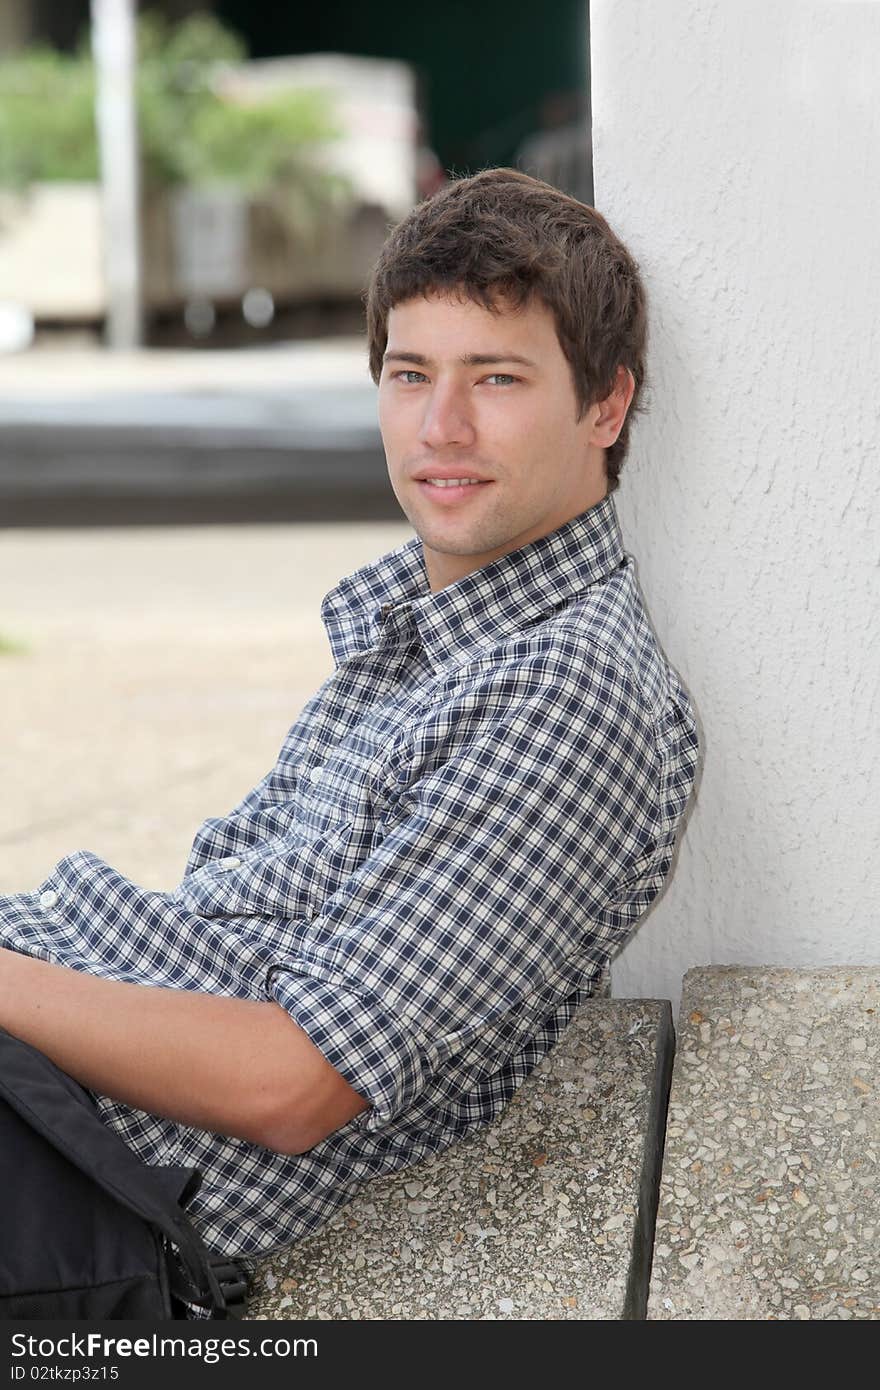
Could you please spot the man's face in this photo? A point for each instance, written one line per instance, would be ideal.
(479, 421)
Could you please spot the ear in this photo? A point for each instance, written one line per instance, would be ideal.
(609, 415)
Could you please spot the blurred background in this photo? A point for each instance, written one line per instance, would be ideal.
(202, 193)
(191, 199)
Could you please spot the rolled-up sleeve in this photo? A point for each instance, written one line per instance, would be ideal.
(513, 813)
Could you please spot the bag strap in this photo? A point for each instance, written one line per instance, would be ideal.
(63, 1112)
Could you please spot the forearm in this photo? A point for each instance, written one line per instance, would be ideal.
(235, 1066)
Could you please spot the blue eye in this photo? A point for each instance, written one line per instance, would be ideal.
(404, 376)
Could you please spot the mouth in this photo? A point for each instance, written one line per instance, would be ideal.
(448, 491)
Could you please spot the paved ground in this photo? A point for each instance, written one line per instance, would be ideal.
(158, 673)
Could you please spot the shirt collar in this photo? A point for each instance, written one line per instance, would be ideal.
(489, 604)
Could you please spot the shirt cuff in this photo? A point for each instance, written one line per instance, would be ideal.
(375, 1053)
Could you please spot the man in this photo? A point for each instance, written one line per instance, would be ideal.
(368, 955)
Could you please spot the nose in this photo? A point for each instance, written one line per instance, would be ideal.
(446, 420)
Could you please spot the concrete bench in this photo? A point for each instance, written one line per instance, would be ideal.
(546, 1214)
(770, 1197)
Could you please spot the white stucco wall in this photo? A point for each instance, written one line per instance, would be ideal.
(737, 152)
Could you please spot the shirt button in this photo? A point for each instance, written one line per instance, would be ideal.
(232, 861)
(316, 774)
(49, 898)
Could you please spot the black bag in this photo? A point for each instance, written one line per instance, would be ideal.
(87, 1230)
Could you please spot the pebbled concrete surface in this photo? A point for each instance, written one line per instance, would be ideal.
(770, 1199)
(546, 1214)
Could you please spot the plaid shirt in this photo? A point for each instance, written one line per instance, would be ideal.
(463, 826)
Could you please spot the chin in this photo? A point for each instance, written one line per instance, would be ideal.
(451, 538)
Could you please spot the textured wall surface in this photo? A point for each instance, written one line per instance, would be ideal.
(737, 152)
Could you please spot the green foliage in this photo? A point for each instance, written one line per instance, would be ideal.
(188, 132)
(47, 120)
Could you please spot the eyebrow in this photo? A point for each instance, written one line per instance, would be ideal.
(469, 359)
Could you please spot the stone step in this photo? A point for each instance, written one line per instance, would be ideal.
(546, 1214)
(770, 1197)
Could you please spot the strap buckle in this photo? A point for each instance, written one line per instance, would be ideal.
(233, 1286)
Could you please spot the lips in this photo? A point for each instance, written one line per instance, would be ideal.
(451, 482)
(447, 490)
(448, 472)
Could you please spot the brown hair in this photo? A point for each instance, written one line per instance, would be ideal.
(505, 234)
